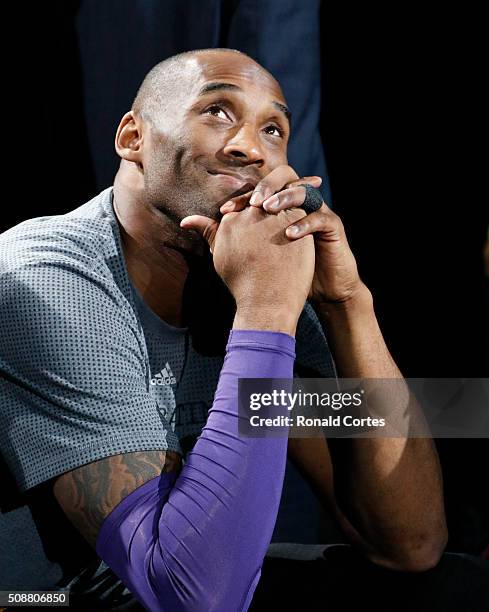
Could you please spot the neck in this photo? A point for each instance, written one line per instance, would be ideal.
(155, 264)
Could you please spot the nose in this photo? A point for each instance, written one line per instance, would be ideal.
(244, 147)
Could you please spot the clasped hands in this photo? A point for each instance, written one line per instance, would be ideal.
(335, 276)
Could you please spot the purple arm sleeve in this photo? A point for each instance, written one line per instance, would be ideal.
(197, 541)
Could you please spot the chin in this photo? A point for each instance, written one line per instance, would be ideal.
(205, 205)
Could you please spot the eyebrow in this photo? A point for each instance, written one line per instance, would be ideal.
(210, 87)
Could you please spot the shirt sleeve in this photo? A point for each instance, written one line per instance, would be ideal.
(74, 383)
(314, 358)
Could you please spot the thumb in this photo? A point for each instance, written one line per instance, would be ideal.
(205, 226)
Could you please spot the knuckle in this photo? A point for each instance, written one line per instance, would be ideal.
(295, 185)
(338, 221)
(304, 179)
(332, 216)
(300, 181)
(296, 213)
(293, 172)
(263, 186)
(286, 169)
(336, 224)
(277, 179)
(304, 223)
(226, 221)
(300, 193)
(283, 198)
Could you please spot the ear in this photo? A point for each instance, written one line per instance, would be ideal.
(129, 138)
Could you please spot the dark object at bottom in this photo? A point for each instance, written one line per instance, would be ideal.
(342, 579)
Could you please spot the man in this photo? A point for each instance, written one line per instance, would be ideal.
(102, 381)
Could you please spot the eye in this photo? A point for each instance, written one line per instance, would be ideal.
(279, 131)
(214, 110)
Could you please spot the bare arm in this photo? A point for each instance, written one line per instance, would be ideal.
(89, 493)
(389, 488)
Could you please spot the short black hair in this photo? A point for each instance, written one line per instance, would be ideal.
(163, 81)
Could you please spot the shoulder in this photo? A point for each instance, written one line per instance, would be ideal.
(62, 257)
(64, 290)
(83, 237)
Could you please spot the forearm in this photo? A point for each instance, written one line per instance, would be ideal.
(390, 488)
(355, 338)
(199, 541)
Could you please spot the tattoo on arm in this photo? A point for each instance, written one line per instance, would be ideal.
(89, 493)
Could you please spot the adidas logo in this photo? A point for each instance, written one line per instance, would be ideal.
(165, 377)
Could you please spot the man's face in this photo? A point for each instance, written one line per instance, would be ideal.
(227, 130)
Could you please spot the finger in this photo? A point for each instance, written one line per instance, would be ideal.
(288, 198)
(240, 202)
(236, 204)
(273, 182)
(315, 181)
(206, 227)
(322, 220)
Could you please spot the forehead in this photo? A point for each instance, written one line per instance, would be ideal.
(229, 67)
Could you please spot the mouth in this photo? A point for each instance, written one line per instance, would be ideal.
(235, 181)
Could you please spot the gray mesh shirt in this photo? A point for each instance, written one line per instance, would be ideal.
(87, 370)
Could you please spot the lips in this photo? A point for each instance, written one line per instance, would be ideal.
(234, 180)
